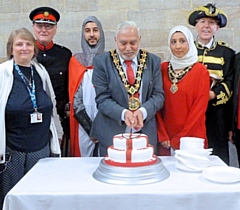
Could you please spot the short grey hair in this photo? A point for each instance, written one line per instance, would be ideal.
(126, 24)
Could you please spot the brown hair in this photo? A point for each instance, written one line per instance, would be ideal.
(24, 34)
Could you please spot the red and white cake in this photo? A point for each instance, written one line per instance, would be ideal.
(130, 150)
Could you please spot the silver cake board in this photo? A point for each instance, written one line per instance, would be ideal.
(131, 175)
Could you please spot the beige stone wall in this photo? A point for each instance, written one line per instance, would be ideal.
(154, 17)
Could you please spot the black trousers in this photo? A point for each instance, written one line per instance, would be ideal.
(217, 131)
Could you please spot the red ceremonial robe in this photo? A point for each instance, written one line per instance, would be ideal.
(76, 73)
(183, 113)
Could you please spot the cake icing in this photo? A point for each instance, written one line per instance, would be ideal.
(130, 150)
(123, 142)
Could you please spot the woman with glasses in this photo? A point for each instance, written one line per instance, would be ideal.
(27, 111)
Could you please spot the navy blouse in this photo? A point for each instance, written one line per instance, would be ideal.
(21, 134)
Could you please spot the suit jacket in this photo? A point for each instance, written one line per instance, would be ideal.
(112, 98)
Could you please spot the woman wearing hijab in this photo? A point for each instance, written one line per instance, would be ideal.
(81, 91)
(186, 85)
(27, 111)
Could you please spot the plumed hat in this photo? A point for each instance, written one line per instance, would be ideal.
(210, 11)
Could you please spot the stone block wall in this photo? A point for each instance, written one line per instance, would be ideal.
(154, 17)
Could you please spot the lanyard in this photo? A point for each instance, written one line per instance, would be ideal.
(31, 91)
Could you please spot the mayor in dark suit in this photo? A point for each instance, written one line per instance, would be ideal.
(129, 92)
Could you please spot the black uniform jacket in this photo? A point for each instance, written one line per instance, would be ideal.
(56, 60)
(219, 60)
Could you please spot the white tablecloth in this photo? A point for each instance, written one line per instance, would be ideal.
(67, 184)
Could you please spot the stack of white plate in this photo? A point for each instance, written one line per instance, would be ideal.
(192, 156)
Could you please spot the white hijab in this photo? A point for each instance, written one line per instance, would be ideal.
(192, 55)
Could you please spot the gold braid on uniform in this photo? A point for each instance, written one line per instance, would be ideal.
(205, 59)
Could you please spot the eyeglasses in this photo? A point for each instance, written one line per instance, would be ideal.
(40, 26)
(3, 166)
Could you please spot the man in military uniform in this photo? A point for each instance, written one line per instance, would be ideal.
(218, 57)
(53, 57)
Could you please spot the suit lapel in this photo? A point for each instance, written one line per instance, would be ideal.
(120, 83)
(145, 81)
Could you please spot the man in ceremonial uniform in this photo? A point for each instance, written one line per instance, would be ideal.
(129, 90)
(81, 91)
(53, 57)
(218, 57)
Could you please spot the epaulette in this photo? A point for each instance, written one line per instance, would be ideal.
(225, 44)
(65, 48)
(61, 46)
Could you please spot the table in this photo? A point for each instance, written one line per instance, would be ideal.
(67, 184)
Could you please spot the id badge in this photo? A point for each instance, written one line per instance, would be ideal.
(36, 117)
